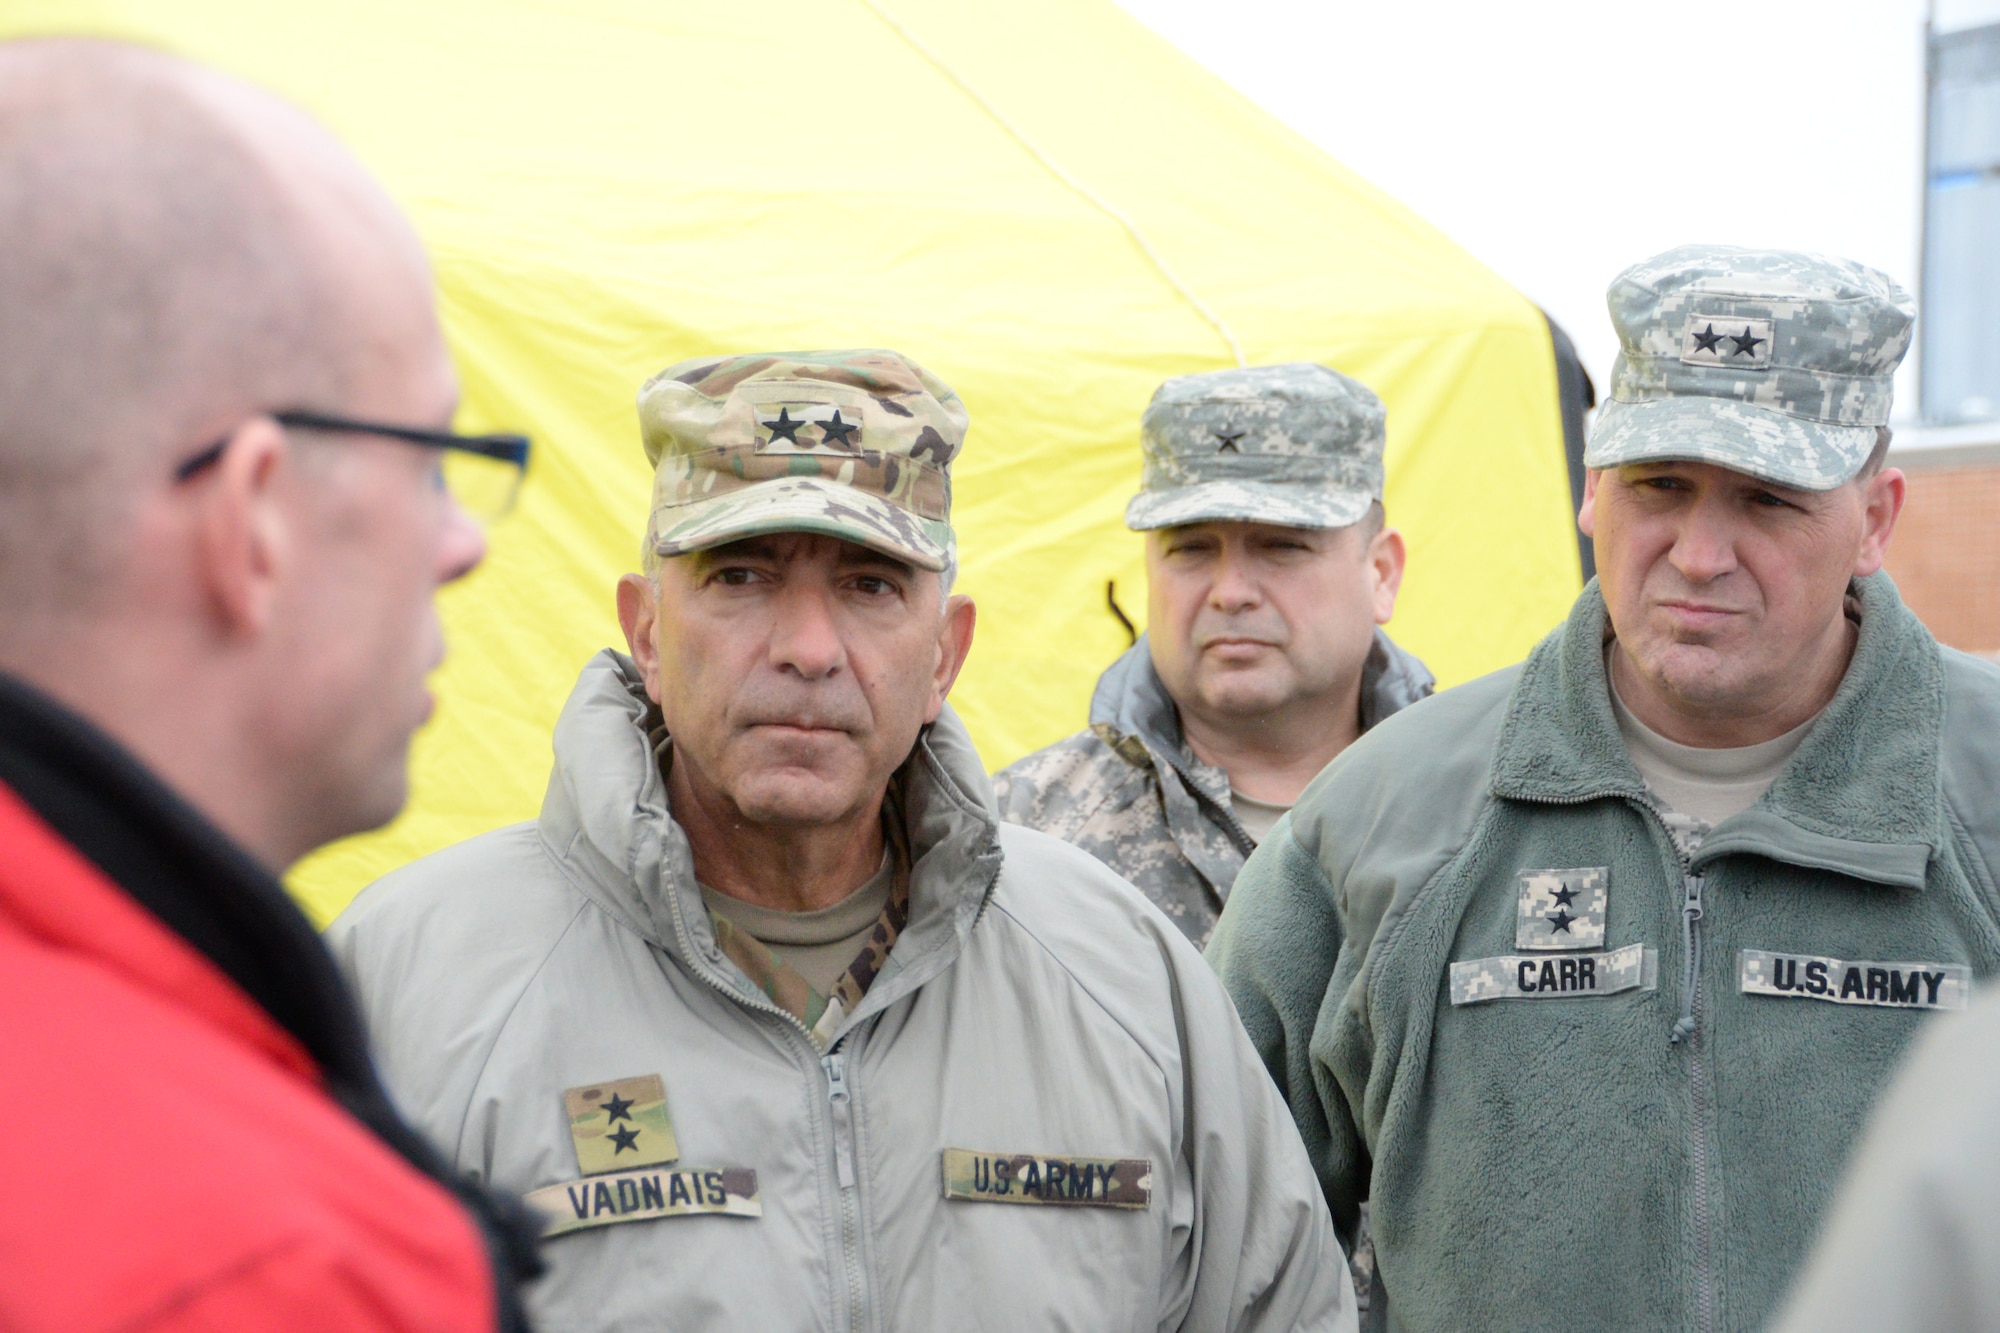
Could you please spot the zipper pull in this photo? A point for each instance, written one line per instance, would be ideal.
(835, 1062)
(1684, 1026)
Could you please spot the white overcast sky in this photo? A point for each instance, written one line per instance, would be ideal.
(1560, 140)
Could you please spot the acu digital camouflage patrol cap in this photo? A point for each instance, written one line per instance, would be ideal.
(850, 444)
(1297, 445)
(1766, 362)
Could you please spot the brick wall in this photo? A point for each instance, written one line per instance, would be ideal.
(1945, 556)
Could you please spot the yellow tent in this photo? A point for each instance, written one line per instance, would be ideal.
(1043, 202)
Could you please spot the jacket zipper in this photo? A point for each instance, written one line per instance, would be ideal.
(835, 1063)
(1687, 1029)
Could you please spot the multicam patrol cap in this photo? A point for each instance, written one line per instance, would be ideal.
(851, 444)
(1297, 445)
(1767, 362)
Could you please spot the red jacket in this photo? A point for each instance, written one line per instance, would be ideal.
(168, 1157)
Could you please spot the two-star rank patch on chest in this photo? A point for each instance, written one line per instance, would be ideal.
(1722, 340)
(620, 1124)
(1886, 985)
(1561, 909)
(1036, 1178)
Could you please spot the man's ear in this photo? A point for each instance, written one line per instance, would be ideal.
(954, 646)
(639, 616)
(1586, 512)
(1882, 497)
(1385, 557)
(245, 537)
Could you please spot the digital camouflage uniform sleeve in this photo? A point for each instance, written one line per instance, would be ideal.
(1093, 796)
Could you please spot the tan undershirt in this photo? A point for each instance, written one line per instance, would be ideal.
(819, 945)
(1257, 817)
(1708, 786)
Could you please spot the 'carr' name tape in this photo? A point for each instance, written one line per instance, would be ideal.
(1073, 1182)
(1549, 977)
(635, 1196)
(1890, 985)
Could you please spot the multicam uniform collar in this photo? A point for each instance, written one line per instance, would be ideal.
(822, 1015)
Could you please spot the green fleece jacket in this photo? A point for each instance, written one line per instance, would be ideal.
(1613, 1136)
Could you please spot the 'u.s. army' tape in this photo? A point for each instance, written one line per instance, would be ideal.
(1040, 1178)
(1555, 976)
(1890, 985)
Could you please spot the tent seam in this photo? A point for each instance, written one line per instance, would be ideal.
(1083, 191)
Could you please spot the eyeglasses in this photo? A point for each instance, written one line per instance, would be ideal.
(482, 472)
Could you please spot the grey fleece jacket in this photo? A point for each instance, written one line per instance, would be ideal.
(1131, 793)
(1034, 1004)
(1538, 1150)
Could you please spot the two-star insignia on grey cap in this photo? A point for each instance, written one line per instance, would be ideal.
(1745, 345)
(1767, 362)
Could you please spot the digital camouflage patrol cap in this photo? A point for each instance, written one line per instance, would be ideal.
(1297, 445)
(852, 444)
(1766, 362)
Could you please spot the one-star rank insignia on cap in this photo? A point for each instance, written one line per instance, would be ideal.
(1726, 340)
(1562, 909)
(620, 1124)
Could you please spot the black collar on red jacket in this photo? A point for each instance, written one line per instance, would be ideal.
(207, 890)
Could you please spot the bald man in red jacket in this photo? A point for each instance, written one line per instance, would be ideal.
(223, 394)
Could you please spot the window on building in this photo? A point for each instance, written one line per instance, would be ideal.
(1960, 328)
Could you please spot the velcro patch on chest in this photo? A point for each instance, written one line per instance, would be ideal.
(1561, 909)
(1555, 977)
(637, 1196)
(620, 1124)
(1886, 985)
(1041, 1178)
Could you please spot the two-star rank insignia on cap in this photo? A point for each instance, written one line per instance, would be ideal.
(779, 424)
(1561, 909)
(1723, 340)
(620, 1124)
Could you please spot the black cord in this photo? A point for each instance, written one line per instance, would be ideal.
(1111, 600)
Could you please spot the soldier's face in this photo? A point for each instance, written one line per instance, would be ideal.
(1245, 618)
(1726, 592)
(794, 671)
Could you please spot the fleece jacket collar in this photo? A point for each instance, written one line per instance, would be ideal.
(606, 820)
(1861, 797)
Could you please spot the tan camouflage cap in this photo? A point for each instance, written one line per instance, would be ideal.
(1766, 362)
(1297, 445)
(851, 444)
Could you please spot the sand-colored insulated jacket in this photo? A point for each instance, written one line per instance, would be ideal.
(1539, 1151)
(1129, 791)
(1042, 1113)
